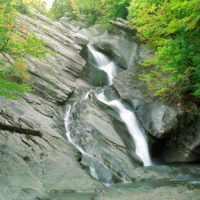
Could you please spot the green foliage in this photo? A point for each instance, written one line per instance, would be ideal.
(91, 20)
(60, 7)
(11, 89)
(172, 28)
(92, 11)
(20, 7)
(16, 42)
(39, 5)
(116, 8)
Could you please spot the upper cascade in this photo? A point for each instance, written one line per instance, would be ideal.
(103, 63)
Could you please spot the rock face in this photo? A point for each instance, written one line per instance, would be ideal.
(184, 145)
(157, 118)
(93, 128)
(123, 25)
(161, 119)
(123, 51)
(177, 124)
(30, 165)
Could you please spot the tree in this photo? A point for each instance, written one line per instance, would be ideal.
(92, 11)
(39, 5)
(172, 28)
(18, 44)
(60, 7)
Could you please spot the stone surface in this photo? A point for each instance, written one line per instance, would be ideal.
(69, 23)
(31, 166)
(184, 144)
(92, 128)
(123, 24)
(123, 51)
(164, 192)
(157, 118)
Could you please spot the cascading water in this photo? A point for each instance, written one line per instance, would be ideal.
(93, 161)
(126, 115)
(104, 64)
(130, 120)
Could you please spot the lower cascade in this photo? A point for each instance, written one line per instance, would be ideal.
(131, 122)
(127, 117)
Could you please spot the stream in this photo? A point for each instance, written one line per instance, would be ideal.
(102, 170)
(127, 116)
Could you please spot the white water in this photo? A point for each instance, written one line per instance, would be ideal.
(131, 123)
(81, 150)
(126, 115)
(68, 134)
(104, 64)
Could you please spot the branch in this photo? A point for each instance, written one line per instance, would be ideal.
(19, 130)
(5, 42)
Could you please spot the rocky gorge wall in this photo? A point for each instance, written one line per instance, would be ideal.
(35, 167)
(173, 124)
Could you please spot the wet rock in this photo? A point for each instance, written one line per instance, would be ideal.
(177, 125)
(156, 117)
(123, 51)
(123, 24)
(92, 128)
(184, 144)
(95, 76)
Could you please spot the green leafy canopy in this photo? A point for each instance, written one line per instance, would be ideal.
(172, 27)
(18, 43)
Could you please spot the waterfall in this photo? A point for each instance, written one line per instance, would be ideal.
(128, 117)
(93, 161)
(104, 64)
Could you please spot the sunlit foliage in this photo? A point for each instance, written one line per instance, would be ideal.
(92, 11)
(17, 43)
(172, 27)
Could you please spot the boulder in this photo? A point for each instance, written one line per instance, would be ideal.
(123, 25)
(68, 22)
(93, 31)
(184, 144)
(123, 51)
(156, 116)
